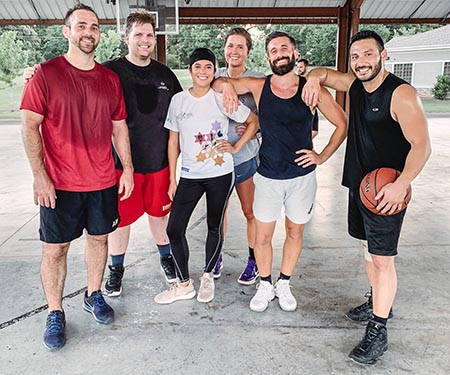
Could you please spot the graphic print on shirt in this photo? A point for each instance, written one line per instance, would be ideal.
(208, 142)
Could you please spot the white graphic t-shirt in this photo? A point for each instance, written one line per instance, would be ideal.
(201, 122)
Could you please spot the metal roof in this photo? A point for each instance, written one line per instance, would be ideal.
(434, 38)
(215, 11)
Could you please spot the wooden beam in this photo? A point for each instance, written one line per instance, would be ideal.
(257, 12)
(343, 38)
(161, 49)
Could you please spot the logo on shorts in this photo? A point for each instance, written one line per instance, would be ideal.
(166, 207)
(375, 109)
(115, 223)
(310, 209)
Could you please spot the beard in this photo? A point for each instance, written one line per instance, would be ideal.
(86, 49)
(282, 69)
(375, 70)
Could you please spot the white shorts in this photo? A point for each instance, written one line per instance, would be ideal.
(297, 195)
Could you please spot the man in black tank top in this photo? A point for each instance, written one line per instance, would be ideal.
(387, 128)
(286, 174)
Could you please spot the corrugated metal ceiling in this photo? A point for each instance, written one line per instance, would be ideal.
(41, 10)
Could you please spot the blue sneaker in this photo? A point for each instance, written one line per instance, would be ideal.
(217, 271)
(250, 274)
(96, 305)
(54, 335)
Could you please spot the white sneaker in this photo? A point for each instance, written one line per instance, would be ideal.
(206, 290)
(263, 296)
(176, 292)
(285, 298)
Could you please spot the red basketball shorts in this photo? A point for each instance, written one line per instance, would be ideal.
(149, 196)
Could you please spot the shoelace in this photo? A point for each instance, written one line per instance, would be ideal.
(98, 299)
(114, 278)
(371, 334)
(206, 283)
(54, 322)
(284, 291)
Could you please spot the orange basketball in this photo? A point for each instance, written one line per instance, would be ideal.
(372, 183)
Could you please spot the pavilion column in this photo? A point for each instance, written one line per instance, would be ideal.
(161, 49)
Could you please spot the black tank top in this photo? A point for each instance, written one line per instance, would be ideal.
(286, 126)
(375, 139)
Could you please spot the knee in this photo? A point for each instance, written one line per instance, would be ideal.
(295, 233)
(383, 263)
(248, 213)
(262, 240)
(98, 240)
(55, 252)
(174, 231)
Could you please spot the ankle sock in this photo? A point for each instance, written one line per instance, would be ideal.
(379, 320)
(251, 253)
(164, 250)
(117, 260)
(283, 276)
(267, 278)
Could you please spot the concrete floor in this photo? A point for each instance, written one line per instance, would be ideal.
(224, 336)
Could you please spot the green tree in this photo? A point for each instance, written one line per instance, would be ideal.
(13, 56)
(53, 42)
(441, 88)
(109, 47)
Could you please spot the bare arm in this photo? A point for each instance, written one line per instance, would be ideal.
(406, 108)
(336, 116)
(173, 153)
(232, 87)
(324, 77)
(121, 140)
(43, 189)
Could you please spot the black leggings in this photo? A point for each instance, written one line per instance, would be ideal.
(189, 192)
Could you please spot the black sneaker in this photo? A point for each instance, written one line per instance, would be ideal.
(372, 346)
(168, 268)
(113, 286)
(364, 312)
(54, 335)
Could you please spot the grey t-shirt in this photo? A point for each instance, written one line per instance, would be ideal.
(250, 150)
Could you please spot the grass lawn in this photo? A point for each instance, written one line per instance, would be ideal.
(10, 97)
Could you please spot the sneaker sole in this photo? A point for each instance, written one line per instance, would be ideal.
(95, 318)
(251, 282)
(289, 309)
(112, 293)
(53, 348)
(362, 363)
(204, 300)
(217, 275)
(181, 298)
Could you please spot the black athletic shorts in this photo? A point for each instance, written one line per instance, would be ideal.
(95, 211)
(381, 232)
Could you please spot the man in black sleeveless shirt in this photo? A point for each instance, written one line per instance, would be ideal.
(387, 128)
(286, 174)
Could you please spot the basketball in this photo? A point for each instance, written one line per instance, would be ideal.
(372, 183)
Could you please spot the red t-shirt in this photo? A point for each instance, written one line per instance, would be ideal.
(78, 108)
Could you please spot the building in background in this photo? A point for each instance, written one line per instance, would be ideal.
(420, 58)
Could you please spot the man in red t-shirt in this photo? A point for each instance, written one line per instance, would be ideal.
(70, 111)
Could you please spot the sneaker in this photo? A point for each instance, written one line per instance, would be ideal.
(113, 286)
(250, 274)
(96, 305)
(54, 335)
(372, 346)
(206, 290)
(176, 292)
(217, 271)
(168, 268)
(285, 298)
(263, 296)
(364, 312)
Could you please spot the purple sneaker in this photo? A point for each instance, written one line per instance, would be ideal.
(250, 274)
(217, 271)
